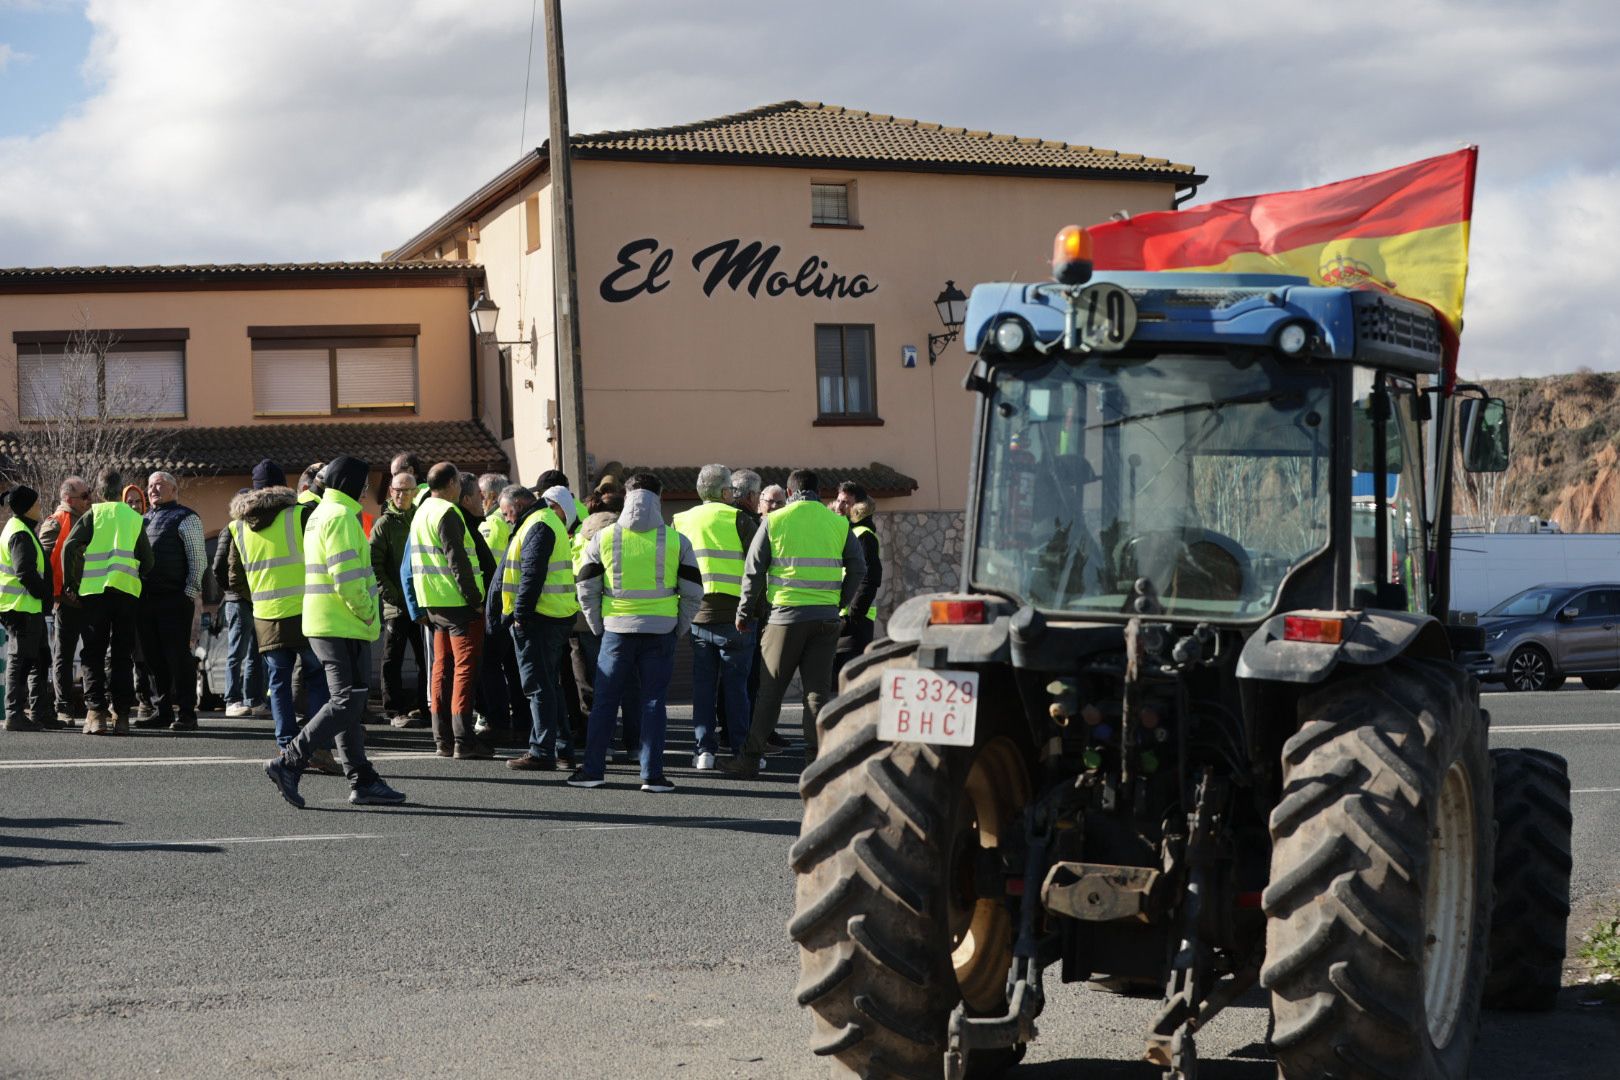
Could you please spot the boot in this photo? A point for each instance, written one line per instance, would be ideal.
(97, 721)
(120, 723)
(20, 723)
(444, 738)
(469, 747)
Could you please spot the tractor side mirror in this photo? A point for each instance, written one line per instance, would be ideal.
(1485, 435)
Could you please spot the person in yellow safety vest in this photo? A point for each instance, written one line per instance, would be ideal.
(265, 562)
(340, 621)
(449, 588)
(494, 526)
(860, 616)
(538, 608)
(106, 556)
(721, 653)
(640, 587)
(310, 486)
(807, 565)
(25, 597)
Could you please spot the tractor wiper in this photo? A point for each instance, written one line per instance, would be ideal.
(1214, 405)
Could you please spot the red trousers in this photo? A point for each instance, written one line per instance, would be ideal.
(455, 675)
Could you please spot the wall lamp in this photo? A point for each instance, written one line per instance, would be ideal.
(951, 304)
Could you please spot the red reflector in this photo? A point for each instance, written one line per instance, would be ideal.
(956, 612)
(1312, 629)
(1248, 899)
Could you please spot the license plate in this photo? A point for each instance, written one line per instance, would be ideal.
(938, 707)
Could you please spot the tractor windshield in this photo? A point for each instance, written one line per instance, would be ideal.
(1206, 475)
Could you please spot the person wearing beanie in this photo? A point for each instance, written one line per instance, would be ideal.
(340, 621)
(106, 557)
(267, 474)
(538, 606)
(67, 626)
(25, 598)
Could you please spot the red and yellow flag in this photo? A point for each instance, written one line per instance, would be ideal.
(1402, 231)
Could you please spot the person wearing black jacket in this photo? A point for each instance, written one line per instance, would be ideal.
(856, 633)
(540, 641)
(24, 584)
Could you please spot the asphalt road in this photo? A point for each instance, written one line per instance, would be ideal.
(165, 913)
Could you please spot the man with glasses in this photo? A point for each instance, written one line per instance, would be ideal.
(171, 604)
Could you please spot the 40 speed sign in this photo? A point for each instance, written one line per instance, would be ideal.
(938, 707)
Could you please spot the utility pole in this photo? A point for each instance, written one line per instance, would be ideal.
(565, 288)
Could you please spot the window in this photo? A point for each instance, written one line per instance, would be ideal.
(531, 223)
(327, 370)
(844, 375)
(830, 204)
(101, 375)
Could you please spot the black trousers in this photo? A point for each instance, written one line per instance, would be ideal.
(166, 644)
(67, 630)
(399, 634)
(856, 636)
(110, 631)
(28, 667)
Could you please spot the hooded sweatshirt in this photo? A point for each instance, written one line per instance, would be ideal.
(259, 509)
(642, 513)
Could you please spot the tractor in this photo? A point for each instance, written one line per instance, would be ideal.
(1196, 720)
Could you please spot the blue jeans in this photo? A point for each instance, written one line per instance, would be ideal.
(652, 658)
(244, 671)
(720, 653)
(542, 649)
(280, 663)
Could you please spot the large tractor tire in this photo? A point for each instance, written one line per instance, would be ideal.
(1533, 863)
(1379, 901)
(891, 934)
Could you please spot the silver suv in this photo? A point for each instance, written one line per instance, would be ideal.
(1538, 637)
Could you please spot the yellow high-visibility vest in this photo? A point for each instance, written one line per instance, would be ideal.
(273, 562)
(13, 596)
(109, 558)
(863, 528)
(431, 575)
(335, 554)
(807, 555)
(712, 532)
(639, 571)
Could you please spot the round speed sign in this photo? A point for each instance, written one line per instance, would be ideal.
(1106, 315)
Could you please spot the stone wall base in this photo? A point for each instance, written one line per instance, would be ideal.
(922, 553)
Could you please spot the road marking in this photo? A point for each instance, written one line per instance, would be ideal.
(107, 763)
(217, 840)
(1595, 791)
(1519, 729)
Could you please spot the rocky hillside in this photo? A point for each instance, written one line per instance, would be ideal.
(1566, 451)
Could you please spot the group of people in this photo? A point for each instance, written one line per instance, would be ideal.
(529, 610)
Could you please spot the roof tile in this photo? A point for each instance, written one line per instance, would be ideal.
(880, 481)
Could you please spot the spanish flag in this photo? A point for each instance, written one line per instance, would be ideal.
(1401, 231)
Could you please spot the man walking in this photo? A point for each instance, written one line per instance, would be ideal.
(861, 615)
(538, 606)
(796, 562)
(67, 622)
(25, 597)
(340, 618)
(721, 653)
(171, 604)
(450, 592)
(390, 536)
(265, 563)
(107, 553)
(640, 588)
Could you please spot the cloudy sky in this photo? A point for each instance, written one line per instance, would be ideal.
(164, 131)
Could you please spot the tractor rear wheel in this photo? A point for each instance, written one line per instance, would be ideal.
(1533, 864)
(892, 933)
(1379, 902)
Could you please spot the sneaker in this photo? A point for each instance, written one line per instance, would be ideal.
(325, 763)
(376, 793)
(285, 777)
(152, 723)
(657, 785)
(581, 778)
(235, 710)
(445, 749)
(66, 720)
(480, 723)
(408, 720)
(184, 724)
(703, 761)
(530, 763)
(741, 768)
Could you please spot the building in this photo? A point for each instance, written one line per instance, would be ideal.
(222, 366)
(759, 289)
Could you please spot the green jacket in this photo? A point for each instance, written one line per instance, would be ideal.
(390, 534)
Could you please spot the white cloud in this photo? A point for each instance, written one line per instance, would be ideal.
(9, 56)
(335, 129)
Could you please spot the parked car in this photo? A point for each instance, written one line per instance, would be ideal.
(1542, 635)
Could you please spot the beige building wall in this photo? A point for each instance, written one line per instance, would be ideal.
(678, 377)
(219, 368)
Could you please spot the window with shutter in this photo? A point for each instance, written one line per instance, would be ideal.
(140, 380)
(829, 204)
(844, 375)
(146, 385)
(316, 375)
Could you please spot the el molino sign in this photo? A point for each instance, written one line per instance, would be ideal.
(644, 266)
